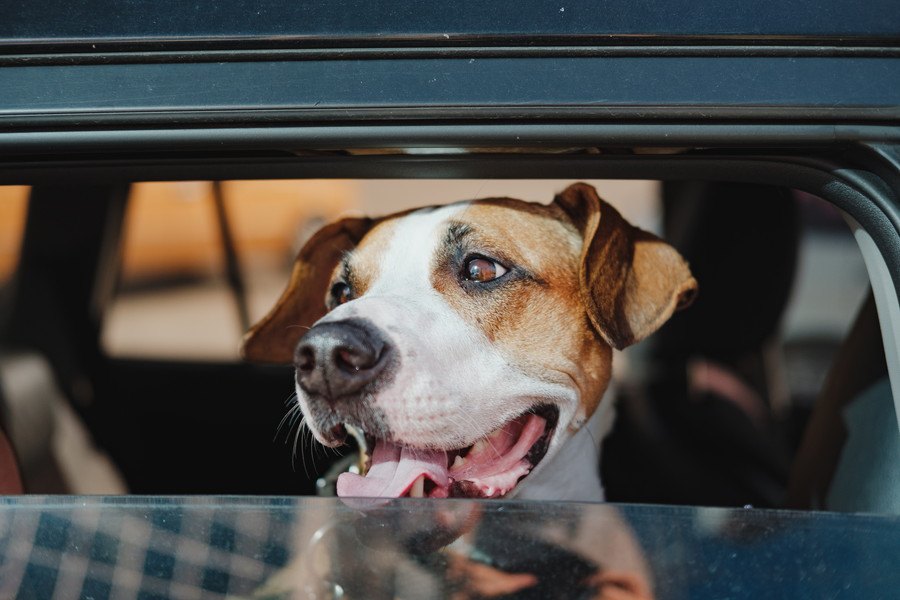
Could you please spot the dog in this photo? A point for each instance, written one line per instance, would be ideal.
(471, 346)
(471, 343)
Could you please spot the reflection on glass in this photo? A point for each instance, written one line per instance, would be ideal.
(411, 548)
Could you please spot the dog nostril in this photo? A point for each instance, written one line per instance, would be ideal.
(348, 360)
(353, 360)
(306, 360)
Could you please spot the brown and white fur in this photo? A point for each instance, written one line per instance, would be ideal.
(470, 356)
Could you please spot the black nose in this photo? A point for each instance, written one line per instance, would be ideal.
(339, 358)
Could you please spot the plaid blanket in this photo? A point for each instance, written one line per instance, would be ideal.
(145, 549)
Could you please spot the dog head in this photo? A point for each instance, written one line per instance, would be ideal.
(467, 341)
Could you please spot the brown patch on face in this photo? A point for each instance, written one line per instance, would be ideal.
(534, 313)
(361, 267)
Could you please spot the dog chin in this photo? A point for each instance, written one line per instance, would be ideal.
(492, 467)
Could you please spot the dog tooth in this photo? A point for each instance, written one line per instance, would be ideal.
(458, 462)
(478, 447)
(418, 488)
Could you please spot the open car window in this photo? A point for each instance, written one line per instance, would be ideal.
(161, 168)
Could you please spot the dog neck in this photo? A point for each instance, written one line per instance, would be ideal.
(573, 474)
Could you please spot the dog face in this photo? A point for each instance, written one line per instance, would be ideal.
(468, 341)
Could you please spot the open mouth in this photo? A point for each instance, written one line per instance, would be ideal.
(489, 468)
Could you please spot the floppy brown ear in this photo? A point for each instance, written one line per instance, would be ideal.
(273, 339)
(631, 281)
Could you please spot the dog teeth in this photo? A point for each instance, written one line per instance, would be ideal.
(458, 462)
(418, 488)
(478, 447)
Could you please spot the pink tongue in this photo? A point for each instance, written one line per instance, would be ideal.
(394, 469)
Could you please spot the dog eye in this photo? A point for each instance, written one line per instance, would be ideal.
(483, 270)
(341, 293)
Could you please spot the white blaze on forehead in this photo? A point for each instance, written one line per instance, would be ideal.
(408, 262)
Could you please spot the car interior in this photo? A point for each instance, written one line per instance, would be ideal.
(121, 338)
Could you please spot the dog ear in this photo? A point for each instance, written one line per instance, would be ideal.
(274, 338)
(631, 281)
